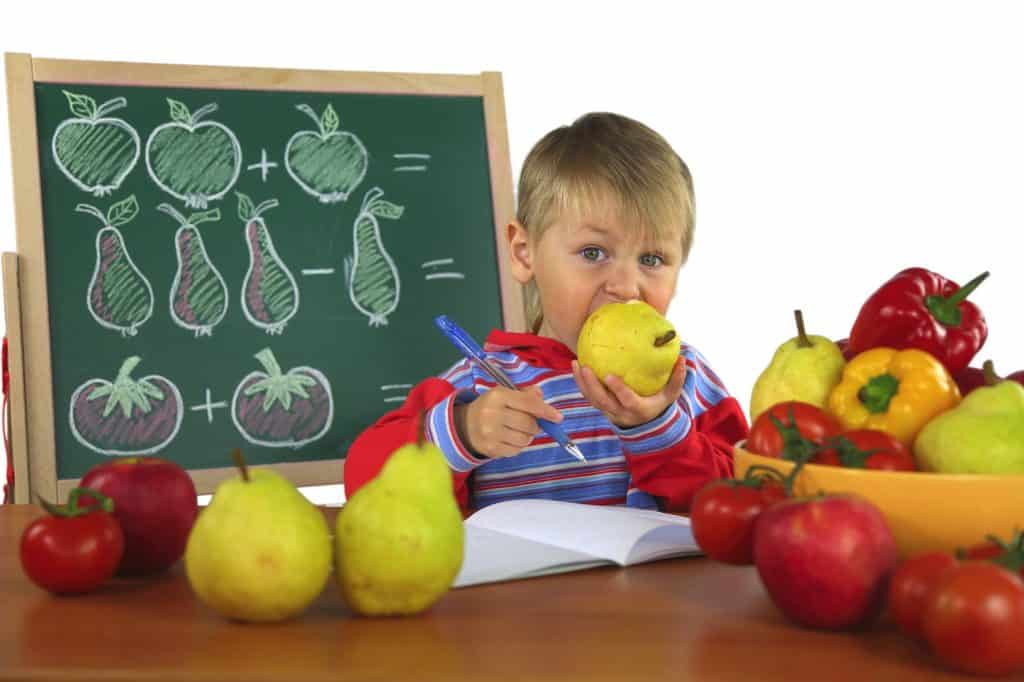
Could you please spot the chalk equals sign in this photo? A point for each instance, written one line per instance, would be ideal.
(414, 161)
(430, 264)
(396, 387)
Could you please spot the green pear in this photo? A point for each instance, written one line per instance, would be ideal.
(804, 368)
(399, 538)
(631, 340)
(260, 551)
(984, 434)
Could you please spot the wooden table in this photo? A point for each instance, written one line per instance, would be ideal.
(678, 619)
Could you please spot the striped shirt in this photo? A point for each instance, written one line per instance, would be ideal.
(659, 464)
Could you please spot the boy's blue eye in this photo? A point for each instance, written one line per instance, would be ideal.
(592, 253)
(651, 260)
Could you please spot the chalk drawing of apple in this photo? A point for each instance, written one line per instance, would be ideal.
(95, 151)
(327, 163)
(196, 162)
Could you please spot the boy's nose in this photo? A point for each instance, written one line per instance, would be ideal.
(623, 285)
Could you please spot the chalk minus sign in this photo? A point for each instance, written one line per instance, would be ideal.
(318, 271)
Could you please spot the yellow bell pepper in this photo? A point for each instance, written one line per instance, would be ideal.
(896, 391)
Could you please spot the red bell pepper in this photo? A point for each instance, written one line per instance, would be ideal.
(921, 309)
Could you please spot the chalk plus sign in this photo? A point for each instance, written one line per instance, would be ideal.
(263, 165)
(208, 406)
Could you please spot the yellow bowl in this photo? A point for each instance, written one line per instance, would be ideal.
(925, 511)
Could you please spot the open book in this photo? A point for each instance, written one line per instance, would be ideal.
(528, 538)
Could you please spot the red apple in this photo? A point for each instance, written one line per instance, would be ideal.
(971, 378)
(825, 561)
(155, 503)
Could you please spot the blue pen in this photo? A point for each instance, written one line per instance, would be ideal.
(472, 350)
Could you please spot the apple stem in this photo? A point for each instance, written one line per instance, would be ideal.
(662, 340)
(236, 455)
(989, 370)
(308, 111)
(109, 106)
(201, 112)
(801, 333)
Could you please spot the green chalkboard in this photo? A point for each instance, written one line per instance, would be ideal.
(254, 268)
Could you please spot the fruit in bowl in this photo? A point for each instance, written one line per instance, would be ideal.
(925, 510)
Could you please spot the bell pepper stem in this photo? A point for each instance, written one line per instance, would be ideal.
(946, 309)
(877, 392)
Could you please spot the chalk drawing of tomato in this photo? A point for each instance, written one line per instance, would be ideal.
(196, 162)
(327, 163)
(282, 409)
(126, 416)
(93, 150)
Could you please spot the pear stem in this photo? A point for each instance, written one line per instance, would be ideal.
(421, 435)
(988, 368)
(662, 340)
(801, 334)
(236, 455)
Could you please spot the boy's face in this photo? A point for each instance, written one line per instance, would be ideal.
(583, 261)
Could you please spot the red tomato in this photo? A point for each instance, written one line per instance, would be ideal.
(867, 449)
(974, 620)
(802, 425)
(74, 549)
(911, 585)
(722, 516)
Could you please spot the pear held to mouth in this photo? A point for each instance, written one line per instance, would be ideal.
(632, 341)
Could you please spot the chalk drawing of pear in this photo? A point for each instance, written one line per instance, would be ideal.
(119, 295)
(195, 162)
(327, 163)
(270, 296)
(374, 286)
(199, 295)
(93, 150)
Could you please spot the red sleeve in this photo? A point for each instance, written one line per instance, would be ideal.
(371, 449)
(674, 474)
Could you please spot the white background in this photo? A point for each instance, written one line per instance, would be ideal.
(832, 144)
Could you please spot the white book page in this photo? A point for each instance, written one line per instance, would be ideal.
(619, 534)
(491, 556)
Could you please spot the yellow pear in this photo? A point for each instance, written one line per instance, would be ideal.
(399, 539)
(260, 551)
(632, 341)
(804, 368)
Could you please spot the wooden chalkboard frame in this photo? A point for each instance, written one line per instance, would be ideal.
(25, 291)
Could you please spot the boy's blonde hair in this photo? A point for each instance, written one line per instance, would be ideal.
(604, 157)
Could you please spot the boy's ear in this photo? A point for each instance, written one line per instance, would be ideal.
(519, 252)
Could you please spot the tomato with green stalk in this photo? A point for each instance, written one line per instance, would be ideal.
(75, 548)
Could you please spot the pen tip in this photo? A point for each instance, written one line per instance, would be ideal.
(575, 451)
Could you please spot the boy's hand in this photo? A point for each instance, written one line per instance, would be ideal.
(621, 404)
(501, 422)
